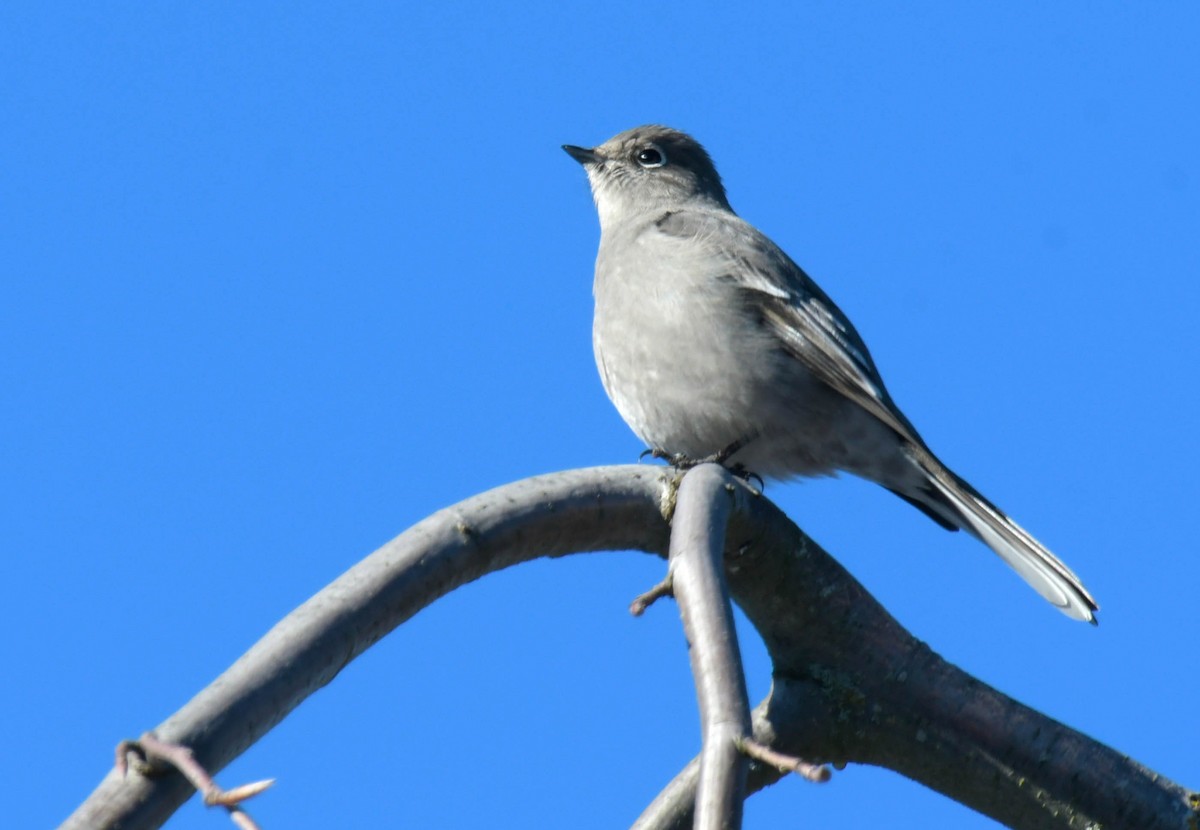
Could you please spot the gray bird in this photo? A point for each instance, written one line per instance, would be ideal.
(713, 344)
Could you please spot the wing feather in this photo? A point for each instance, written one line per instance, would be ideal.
(806, 321)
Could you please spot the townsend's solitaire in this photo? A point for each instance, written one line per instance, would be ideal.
(713, 344)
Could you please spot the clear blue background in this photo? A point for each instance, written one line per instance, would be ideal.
(279, 280)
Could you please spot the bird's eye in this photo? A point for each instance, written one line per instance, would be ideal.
(650, 156)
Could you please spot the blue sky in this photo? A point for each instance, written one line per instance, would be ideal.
(281, 280)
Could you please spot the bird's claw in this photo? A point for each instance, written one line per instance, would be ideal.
(683, 463)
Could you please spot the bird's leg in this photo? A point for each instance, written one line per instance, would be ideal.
(727, 453)
(684, 463)
(738, 470)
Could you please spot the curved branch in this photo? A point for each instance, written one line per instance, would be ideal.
(697, 569)
(614, 508)
(850, 683)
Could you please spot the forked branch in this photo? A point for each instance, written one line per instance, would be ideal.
(850, 684)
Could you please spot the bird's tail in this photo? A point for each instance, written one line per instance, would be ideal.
(959, 502)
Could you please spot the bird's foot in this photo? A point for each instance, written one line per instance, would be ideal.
(683, 463)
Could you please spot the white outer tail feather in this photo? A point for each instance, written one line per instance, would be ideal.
(1044, 572)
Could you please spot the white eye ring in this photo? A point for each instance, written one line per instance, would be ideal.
(650, 156)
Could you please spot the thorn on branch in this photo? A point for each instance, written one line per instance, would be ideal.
(148, 749)
(643, 601)
(817, 773)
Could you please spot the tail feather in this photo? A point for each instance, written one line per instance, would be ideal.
(1044, 571)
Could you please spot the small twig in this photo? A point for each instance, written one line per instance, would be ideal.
(643, 601)
(817, 773)
(148, 749)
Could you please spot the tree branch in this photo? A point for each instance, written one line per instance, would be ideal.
(850, 683)
(852, 686)
(697, 568)
(613, 508)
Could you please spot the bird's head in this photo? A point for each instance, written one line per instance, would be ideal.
(647, 169)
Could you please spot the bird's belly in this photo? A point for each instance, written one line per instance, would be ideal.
(684, 391)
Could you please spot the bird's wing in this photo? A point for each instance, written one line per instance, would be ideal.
(808, 324)
(817, 333)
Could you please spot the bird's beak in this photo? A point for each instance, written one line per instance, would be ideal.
(581, 154)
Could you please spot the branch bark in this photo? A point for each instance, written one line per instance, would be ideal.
(697, 573)
(850, 684)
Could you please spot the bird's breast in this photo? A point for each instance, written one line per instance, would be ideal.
(680, 354)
